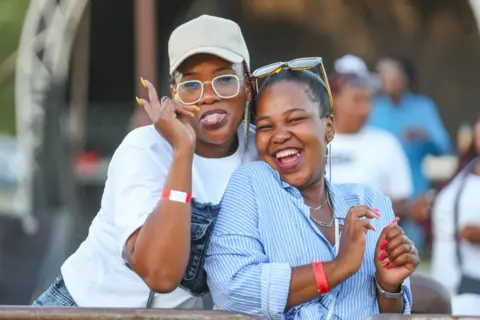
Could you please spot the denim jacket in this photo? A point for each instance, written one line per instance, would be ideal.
(203, 217)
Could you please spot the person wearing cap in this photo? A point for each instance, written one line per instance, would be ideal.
(146, 246)
(350, 64)
(361, 153)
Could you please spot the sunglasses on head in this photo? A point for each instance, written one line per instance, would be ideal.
(295, 65)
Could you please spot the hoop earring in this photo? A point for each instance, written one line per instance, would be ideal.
(246, 124)
(325, 156)
(328, 160)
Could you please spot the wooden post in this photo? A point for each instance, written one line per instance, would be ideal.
(145, 53)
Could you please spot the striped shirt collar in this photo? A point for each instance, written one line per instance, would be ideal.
(339, 204)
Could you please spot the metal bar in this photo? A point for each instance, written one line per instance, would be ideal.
(79, 83)
(43, 313)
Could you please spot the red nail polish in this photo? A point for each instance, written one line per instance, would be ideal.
(390, 265)
(384, 245)
(383, 255)
(394, 222)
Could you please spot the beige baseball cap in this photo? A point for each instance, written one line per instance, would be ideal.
(353, 65)
(207, 34)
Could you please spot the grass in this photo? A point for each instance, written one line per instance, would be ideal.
(12, 15)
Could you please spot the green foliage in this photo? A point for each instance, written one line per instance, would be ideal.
(12, 15)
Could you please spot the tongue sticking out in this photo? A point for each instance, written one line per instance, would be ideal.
(213, 119)
(289, 159)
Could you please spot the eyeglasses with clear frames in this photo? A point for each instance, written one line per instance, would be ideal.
(225, 86)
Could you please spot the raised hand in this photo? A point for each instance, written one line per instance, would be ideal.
(395, 257)
(171, 118)
(352, 242)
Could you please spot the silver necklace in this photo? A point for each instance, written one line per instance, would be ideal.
(324, 224)
(321, 223)
(324, 202)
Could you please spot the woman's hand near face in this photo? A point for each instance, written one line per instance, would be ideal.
(353, 239)
(395, 258)
(171, 119)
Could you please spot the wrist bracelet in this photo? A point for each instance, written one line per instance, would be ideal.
(178, 196)
(320, 277)
(390, 295)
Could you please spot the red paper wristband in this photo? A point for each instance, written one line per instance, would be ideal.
(320, 278)
(178, 196)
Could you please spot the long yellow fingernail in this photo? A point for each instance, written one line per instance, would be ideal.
(143, 82)
(196, 107)
(138, 101)
(191, 114)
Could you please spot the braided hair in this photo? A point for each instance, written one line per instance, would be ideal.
(250, 106)
(314, 86)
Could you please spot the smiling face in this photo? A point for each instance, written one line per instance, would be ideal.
(219, 118)
(291, 134)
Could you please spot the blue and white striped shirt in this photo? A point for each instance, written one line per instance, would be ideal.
(264, 230)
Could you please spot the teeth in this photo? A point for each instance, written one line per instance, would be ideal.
(286, 153)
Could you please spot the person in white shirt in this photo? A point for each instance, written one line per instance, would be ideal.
(363, 154)
(166, 180)
(456, 233)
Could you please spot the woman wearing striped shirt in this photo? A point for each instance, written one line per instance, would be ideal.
(287, 243)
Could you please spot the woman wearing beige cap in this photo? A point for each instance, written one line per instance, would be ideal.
(165, 181)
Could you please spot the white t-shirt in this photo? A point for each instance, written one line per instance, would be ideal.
(445, 268)
(96, 275)
(372, 157)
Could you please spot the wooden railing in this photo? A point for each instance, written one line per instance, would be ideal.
(33, 313)
(43, 313)
(421, 316)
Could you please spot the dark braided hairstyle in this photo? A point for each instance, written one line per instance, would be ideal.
(314, 86)
(251, 115)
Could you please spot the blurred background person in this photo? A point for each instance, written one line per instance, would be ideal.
(413, 118)
(456, 232)
(362, 153)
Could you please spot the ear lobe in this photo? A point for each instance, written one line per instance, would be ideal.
(330, 134)
(330, 130)
(172, 90)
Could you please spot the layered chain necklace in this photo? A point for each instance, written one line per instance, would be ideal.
(322, 223)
